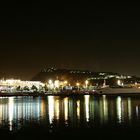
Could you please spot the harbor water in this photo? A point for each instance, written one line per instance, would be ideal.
(70, 117)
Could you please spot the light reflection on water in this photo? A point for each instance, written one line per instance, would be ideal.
(119, 109)
(15, 112)
(87, 107)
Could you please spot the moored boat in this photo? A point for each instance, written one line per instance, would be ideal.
(118, 90)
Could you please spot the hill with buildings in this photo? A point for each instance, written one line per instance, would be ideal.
(74, 76)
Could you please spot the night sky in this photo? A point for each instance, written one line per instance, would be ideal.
(79, 35)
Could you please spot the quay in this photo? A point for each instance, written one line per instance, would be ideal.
(80, 93)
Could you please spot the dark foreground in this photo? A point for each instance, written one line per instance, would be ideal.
(71, 117)
(101, 133)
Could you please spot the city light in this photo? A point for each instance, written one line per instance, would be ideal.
(119, 82)
(56, 83)
(50, 82)
(78, 84)
(15, 85)
(87, 107)
(119, 109)
(65, 82)
(66, 108)
(86, 82)
(51, 108)
(78, 109)
(11, 111)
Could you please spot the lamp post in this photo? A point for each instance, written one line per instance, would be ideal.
(78, 84)
(119, 82)
(86, 83)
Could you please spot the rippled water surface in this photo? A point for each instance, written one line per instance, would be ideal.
(56, 114)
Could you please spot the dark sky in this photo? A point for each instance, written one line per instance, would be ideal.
(81, 35)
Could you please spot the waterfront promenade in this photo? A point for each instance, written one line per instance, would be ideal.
(77, 93)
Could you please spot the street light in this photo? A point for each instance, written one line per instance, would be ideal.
(78, 84)
(65, 82)
(119, 82)
(86, 82)
(56, 83)
(50, 82)
(51, 85)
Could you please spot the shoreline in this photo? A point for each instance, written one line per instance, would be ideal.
(66, 94)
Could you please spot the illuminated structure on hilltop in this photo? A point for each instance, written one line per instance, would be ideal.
(83, 77)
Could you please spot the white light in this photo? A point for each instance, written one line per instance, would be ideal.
(105, 108)
(50, 82)
(57, 109)
(137, 111)
(11, 107)
(65, 82)
(119, 82)
(86, 82)
(119, 109)
(78, 84)
(51, 108)
(87, 107)
(56, 83)
(66, 108)
(129, 109)
(78, 109)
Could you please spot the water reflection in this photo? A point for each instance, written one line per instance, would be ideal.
(129, 109)
(87, 107)
(66, 109)
(11, 109)
(57, 109)
(16, 112)
(51, 109)
(103, 109)
(119, 109)
(78, 109)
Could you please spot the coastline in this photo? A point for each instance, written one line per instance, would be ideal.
(66, 94)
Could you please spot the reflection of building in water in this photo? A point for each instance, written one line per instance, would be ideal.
(18, 110)
(119, 109)
(92, 103)
(135, 103)
(44, 109)
(112, 110)
(125, 110)
(103, 109)
(137, 111)
(69, 111)
(66, 109)
(11, 109)
(57, 109)
(56, 102)
(78, 109)
(87, 107)
(72, 112)
(51, 108)
(129, 109)
(3, 111)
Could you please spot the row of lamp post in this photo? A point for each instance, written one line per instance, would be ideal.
(57, 84)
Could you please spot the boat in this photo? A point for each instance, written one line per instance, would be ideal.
(118, 90)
